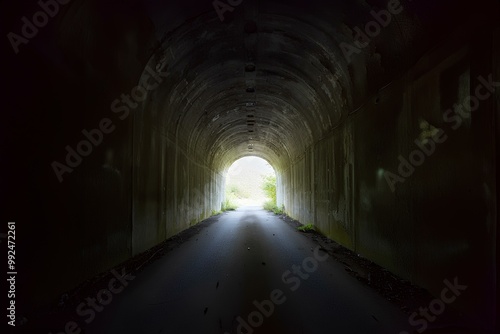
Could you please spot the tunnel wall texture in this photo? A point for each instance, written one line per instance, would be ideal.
(172, 190)
(138, 185)
(440, 220)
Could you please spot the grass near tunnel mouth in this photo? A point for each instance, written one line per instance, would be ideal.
(271, 206)
(227, 205)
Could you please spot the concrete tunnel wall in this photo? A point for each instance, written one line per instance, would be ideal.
(270, 81)
(432, 227)
(139, 186)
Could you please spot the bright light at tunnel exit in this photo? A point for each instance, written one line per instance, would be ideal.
(245, 180)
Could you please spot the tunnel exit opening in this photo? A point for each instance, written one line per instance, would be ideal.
(250, 182)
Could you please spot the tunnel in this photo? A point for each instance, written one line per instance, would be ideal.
(380, 118)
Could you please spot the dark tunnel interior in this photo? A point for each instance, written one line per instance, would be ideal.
(121, 118)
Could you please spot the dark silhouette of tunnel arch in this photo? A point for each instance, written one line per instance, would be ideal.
(275, 90)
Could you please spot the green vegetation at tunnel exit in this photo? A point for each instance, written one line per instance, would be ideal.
(269, 188)
(274, 208)
(235, 192)
(229, 203)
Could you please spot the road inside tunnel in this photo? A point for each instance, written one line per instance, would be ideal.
(248, 272)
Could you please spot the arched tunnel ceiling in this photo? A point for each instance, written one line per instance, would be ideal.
(272, 78)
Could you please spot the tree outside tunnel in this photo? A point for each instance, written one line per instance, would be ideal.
(269, 187)
(245, 182)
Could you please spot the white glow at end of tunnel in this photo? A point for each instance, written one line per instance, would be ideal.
(245, 179)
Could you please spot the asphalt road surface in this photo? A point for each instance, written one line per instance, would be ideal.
(249, 272)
